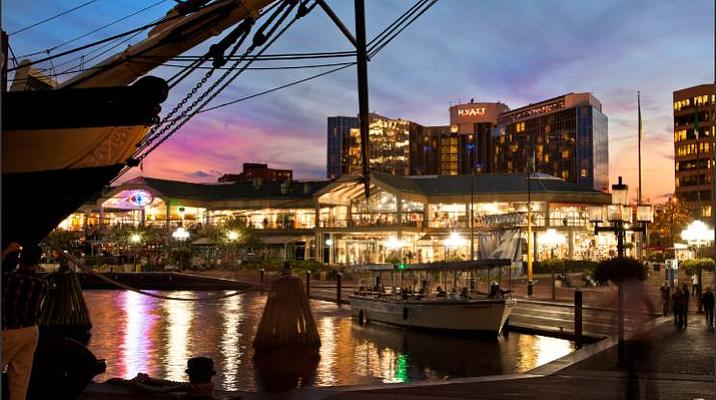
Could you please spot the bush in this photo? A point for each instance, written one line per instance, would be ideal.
(563, 266)
(619, 269)
(691, 267)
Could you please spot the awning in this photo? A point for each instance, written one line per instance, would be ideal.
(205, 241)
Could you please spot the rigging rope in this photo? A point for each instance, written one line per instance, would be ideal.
(53, 17)
(95, 30)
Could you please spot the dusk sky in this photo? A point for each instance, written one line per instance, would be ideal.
(514, 51)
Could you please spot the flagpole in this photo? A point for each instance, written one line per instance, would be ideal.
(640, 247)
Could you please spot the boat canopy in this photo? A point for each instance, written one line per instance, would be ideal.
(436, 266)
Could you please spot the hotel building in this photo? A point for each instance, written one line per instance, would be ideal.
(567, 134)
(694, 107)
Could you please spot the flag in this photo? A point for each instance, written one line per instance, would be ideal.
(638, 102)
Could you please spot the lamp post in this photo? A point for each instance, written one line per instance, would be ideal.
(553, 239)
(619, 215)
(698, 235)
(181, 235)
(136, 239)
(232, 237)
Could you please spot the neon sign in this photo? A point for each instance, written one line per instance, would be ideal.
(471, 112)
(140, 198)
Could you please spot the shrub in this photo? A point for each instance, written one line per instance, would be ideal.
(619, 269)
(691, 267)
(562, 266)
(547, 266)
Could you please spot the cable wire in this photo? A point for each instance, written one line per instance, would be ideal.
(95, 30)
(53, 17)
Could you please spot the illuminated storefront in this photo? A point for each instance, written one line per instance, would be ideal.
(405, 219)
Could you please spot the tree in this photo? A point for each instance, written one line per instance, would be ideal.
(670, 219)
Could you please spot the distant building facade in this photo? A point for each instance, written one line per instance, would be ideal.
(693, 128)
(568, 135)
(253, 171)
(339, 144)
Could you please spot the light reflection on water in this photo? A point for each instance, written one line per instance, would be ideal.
(136, 333)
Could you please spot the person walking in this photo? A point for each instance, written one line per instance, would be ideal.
(677, 305)
(665, 298)
(22, 293)
(694, 284)
(707, 300)
(685, 309)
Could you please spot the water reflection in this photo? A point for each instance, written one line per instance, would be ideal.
(179, 315)
(136, 333)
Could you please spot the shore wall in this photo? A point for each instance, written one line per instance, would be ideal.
(158, 281)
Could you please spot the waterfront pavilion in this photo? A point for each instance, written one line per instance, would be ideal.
(405, 219)
(427, 218)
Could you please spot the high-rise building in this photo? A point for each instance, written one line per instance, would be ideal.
(693, 128)
(339, 144)
(253, 171)
(566, 135)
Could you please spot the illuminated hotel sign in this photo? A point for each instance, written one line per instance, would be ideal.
(471, 112)
(534, 111)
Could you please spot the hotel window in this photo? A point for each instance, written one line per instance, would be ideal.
(585, 173)
(520, 127)
(565, 175)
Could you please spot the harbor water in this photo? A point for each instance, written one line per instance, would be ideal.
(137, 333)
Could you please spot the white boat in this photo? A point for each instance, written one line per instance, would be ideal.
(469, 312)
(481, 315)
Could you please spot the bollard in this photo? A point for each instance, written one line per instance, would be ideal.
(262, 275)
(308, 283)
(529, 288)
(578, 318)
(339, 283)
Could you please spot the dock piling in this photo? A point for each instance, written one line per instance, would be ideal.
(578, 318)
(308, 283)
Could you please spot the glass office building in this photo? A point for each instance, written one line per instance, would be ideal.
(339, 144)
(567, 136)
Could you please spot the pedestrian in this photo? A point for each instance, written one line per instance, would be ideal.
(685, 310)
(637, 348)
(665, 298)
(676, 306)
(22, 293)
(707, 300)
(694, 284)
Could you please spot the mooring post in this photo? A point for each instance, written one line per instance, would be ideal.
(262, 275)
(339, 283)
(308, 283)
(578, 318)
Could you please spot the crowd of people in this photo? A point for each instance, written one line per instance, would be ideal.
(675, 300)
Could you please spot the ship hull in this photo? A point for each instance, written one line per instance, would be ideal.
(61, 147)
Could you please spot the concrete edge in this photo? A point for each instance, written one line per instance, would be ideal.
(587, 351)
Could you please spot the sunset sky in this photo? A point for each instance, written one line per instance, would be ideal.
(514, 51)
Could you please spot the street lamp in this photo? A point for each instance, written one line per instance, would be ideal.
(698, 235)
(135, 239)
(552, 239)
(181, 235)
(619, 215)
(232, 237)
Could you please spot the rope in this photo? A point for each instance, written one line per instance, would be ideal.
(53, 17)
(79, 266)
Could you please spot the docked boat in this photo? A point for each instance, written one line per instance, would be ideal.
(63, 143)
(462, 310)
